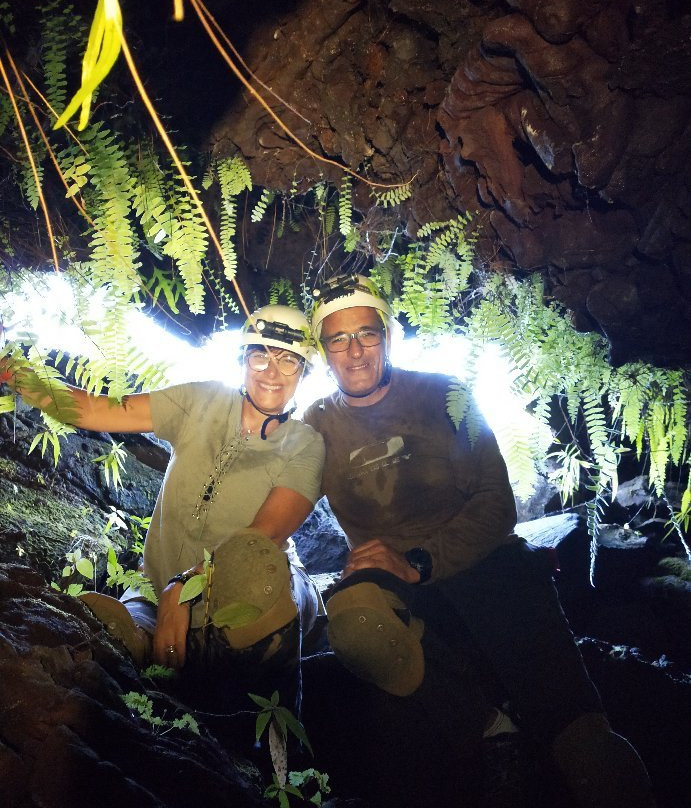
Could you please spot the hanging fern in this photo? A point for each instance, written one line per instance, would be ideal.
(258, 211)
(345, 206)
(6, 112)
(149, 197)
(461, 409)
(61, 27)
(109, 195)
(187, 246)
(394, 196)
(281, 291)
(50, 437)
(234, 178)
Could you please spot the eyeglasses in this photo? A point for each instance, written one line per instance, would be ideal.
(367, 337)
(286, 363)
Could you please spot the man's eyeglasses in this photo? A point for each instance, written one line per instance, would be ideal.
(286, 363)
(367, 337)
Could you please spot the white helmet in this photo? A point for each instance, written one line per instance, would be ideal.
(276, 326)
(346, 292)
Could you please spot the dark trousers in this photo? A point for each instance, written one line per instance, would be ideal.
(503, 617)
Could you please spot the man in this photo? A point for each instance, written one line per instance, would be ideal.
(429, 513)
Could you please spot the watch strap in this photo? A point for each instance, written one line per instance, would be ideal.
(183, 578)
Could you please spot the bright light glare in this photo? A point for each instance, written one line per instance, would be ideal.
(46, 308)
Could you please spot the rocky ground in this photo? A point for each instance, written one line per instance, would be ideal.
(67, 736)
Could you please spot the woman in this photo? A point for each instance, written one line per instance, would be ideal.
(241, 479)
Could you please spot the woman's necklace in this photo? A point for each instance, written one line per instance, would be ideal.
(229, 452)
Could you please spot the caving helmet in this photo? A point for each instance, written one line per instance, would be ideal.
(346, 292)
(277, 326)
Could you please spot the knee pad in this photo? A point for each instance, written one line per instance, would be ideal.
(250, 594)
(371, 641)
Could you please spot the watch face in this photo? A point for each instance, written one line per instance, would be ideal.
(421, 560)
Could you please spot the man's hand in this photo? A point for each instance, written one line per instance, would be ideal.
(374, 554)
(172, 625)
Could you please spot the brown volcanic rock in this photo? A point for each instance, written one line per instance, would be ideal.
(66, 737)
(568, 122)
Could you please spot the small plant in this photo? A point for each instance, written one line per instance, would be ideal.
(154, 672)
(113, 463)
(77, 564)
(141, 705)
(297, 782)
(102, 553)
(280, 721)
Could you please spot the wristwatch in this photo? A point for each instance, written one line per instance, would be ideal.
(183, 578)
(420, 560)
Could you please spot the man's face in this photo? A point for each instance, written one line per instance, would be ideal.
(358, 370)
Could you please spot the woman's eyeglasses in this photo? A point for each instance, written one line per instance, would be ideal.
(288, 364)
(367, 337)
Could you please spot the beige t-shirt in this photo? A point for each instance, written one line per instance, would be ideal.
(216, 479)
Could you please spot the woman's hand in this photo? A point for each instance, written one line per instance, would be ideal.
(172, 625)
(374, 554)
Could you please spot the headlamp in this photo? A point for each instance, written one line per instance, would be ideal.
(279, 331)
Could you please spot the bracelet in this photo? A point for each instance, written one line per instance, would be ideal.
(6, 376)
(183, 578)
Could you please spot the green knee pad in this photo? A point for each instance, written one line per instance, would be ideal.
(252, 573)
(370, 639)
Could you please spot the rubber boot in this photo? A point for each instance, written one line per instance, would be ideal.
(601, 769)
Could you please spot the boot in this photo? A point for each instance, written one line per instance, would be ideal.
(118, 623)
(601, 769)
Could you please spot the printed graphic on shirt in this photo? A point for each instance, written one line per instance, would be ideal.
(373, 459)
(381, 454)
(388, 480)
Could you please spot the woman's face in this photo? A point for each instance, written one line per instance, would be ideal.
(271, 389)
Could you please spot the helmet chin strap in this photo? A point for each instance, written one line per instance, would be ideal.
(280, 417)
(385, 379)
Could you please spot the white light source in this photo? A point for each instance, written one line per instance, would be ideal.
(47, 309)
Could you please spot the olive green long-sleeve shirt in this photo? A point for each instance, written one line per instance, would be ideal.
(400, 472)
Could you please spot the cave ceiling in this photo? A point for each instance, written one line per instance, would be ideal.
(562, 127)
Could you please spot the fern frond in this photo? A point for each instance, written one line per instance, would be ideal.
(394, 196)
(114, 256)
(258, 211)
(345, 206)
(281, 290)
(61, 28)
(187, 246)
(461, 409)
(234, 178)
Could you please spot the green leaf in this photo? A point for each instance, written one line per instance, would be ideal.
(296, 727)
(85, 567)
(262, 720)
(195, 586)
(235, 615)
(6, 403)
(261, 701)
